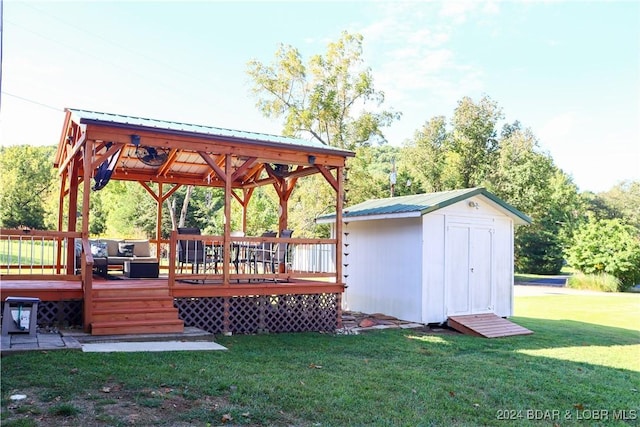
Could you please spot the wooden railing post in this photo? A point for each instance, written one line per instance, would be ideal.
(87, 283)
(173, 244)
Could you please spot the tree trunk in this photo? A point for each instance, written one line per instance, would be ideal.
(185, 206)
(171, 205)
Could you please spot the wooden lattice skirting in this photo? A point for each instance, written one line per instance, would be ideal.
(261, 313)
(66, 313)
(238, 315)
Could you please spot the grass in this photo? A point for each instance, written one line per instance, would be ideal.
(596, 282)
(583, 357)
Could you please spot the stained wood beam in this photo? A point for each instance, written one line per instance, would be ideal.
(153, 194)
(170, 192)
(62, 143)
(217, 169)
(78, 145)
(164, 169)
(246, 165)
(104, 156)
(329, 177)
(268, 153)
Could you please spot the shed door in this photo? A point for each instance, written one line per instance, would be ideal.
(469, 269)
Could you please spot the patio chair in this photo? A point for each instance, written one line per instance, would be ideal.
(193, 251)
(262, 254)
(238, 251)
(278, 254)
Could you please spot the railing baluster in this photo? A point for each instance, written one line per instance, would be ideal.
(20, 255)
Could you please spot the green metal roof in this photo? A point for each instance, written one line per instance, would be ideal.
(421, 204)
(110, 119)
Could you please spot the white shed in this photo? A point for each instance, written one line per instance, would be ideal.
(425, 257)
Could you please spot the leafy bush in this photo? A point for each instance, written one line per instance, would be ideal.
(538, 251)
(607, 246)
(596, 282)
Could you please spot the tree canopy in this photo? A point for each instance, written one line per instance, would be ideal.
(320, 99)
(27, 180)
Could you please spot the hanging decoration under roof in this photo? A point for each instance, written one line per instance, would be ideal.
(103, 175)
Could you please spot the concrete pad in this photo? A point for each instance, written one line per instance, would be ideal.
(129, 346)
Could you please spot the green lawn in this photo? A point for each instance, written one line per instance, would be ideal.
(582, 362)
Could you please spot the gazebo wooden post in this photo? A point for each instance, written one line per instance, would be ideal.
(86, 188)
(226, 321)
(227, 219)
(159, 201)
(87, 270)
(339, 248)
(246, 196)
(63, 186)
(73, 211)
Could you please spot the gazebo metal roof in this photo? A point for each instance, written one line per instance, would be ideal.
(195, 154)
(186, 129)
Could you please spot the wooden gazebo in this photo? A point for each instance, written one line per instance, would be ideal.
(97, 146)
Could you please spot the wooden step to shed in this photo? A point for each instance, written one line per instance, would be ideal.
(486, 325)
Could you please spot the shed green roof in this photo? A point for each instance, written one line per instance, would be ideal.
(422, 204)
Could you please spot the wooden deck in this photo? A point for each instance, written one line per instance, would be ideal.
(60, 290)
(136, 306)
(486, 325)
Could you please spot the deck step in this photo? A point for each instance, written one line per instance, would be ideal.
(116, 303)
(139, 310)
(135, 314)
(156, 291)
(486, 325)
(158, 326)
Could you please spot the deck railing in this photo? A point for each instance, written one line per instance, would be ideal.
(250, 259)
(49, 255)
(37, 252)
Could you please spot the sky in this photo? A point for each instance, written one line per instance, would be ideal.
(569, 71)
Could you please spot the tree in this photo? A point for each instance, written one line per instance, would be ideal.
(607, 246)
(320, 99)
(461, 157)
(425, 156)
(473, 140)
(528, 179)
(27, 179)
(621, 201)
(510, 165)
(325, 100)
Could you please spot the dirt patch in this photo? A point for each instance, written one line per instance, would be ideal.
(112, 405)
(356, 322)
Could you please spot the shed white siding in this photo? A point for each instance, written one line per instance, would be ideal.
(384, 271)
(457, 259)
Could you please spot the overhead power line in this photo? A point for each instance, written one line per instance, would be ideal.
(32, 101)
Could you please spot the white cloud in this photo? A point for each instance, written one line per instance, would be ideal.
(457, 10)
(560, 126)
(597, 155)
